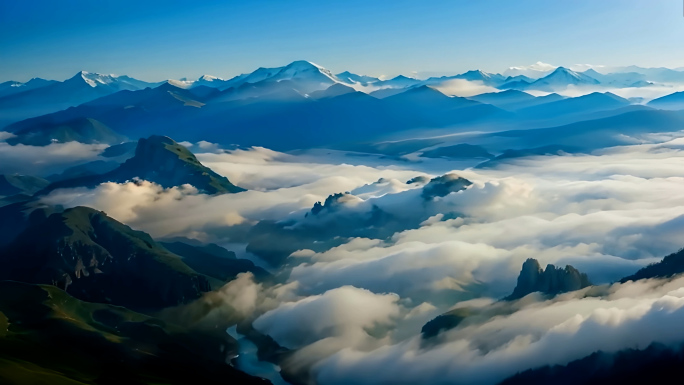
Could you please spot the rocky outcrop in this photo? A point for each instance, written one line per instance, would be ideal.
(97, 259)
(552, 281)
(444, 185)
(332, 202)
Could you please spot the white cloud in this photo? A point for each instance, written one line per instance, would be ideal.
(4, 135)
(607, 213)
(278, 186)
(632, 315)
(342, 312)
(463, 88)
(44, 160)
(534, 71)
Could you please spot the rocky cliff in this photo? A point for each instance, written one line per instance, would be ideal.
(553, 280)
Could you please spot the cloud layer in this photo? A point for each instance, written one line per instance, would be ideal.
(359, 306)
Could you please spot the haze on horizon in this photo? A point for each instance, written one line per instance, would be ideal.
(156, 40)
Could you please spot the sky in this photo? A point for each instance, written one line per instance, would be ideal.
(156, 40)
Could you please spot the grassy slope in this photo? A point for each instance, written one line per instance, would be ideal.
(48, 337)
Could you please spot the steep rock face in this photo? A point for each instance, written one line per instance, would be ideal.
(98, 259)
(553, 280)
(161, 160)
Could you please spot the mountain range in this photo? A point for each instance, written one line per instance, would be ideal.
(283, 108)
(50, 96)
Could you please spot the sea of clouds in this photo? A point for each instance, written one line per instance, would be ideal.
(358, 307)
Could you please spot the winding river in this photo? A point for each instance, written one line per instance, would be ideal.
(248, 362)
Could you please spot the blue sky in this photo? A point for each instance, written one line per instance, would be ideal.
(156, 40)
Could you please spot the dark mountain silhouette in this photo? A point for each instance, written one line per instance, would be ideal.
(670, 265)
(657, 364)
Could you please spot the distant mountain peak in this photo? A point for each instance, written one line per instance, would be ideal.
(336, 89)
(297, 68)
(209, 78)
(303, 63)
(94, 79)
(562, 77)
(402, 77)
(591, 72)
(424, 89)
(351, 78)
(477, 72)
(563, 70)
(487, 78)
(115, 82)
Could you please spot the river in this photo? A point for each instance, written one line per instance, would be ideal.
(248, 362)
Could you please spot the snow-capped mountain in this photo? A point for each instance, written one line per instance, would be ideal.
(82, 87)
(109, 82)
(210, 81)
(400, 81)
(306, 77)
(486, 78)
(350, 78)
(633, 74)
(560, 79)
